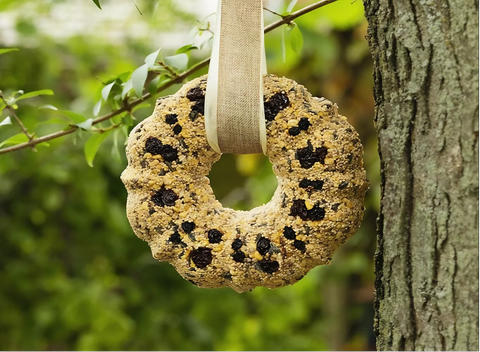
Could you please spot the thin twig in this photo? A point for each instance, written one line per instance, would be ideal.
(12, 111)
(288, 19)
(275, 13)
(128, 106)
(168, 68)
(103, 130)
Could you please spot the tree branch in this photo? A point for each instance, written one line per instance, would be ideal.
(129, 105)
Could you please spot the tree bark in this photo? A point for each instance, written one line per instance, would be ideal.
(425, 56)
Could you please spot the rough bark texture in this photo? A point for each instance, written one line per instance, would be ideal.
(426, 93)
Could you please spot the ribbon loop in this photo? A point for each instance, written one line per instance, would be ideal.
(234, 115)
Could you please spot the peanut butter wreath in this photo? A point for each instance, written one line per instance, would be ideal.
(316, 156)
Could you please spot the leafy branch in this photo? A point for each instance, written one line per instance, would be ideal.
(20, 123)
(177, 61)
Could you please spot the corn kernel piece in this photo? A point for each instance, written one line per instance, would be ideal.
(308, 204)
(218, 248)
(327, 144)
(258, 256)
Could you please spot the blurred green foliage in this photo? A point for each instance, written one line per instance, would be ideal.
(73, 276)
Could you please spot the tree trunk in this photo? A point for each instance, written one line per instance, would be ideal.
(425, 56)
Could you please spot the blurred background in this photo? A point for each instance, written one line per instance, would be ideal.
(73, 276)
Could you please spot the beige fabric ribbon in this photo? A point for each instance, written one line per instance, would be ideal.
(234, 115)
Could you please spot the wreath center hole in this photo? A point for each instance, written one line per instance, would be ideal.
(243, 182)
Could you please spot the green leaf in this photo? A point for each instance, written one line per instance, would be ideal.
(106, 90)
(291, 5)
(296, 40)
(141, 106)
(92, 145)
(43, 144)
(7, 50)
(53, 121)
(179, 61)
(139, 76)
(125, 132)
(115, 148)
(186, 49)
(128, 120)
(86, 125)
(48, 106)
(18, 92)
(117, 118)
(151, 58)
(76, 118)
(6, 121)
(12, 99)
(127, 87)
(97, 107)
(208, 42)
(16, 139)
(35, 93)
(152, 87)
(97, 2)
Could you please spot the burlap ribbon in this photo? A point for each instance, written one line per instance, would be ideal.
(234, 116)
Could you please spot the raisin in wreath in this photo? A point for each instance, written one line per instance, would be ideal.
(318, 205)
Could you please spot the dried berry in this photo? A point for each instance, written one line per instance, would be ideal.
(316, 213)
(318, 185)
(175, 238)
(269, 266)
(343, 185)
(304, 183)
(299, 209)
(263, 245)
(289, 233)
(199, 107)
(153, 146)
(177, 129)
(171, 119)
(300, 245)
(279, 101)
(269, 112)
(239, 256)
(164, 197)
(304, 124)
(214, 236)
(188, 226)
(201, 257)
(294, 131)
(195, 94)
(169, 153)
(237, 244)
(272, 107)
(308, 158)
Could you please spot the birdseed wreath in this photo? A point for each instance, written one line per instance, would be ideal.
(316, 156)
